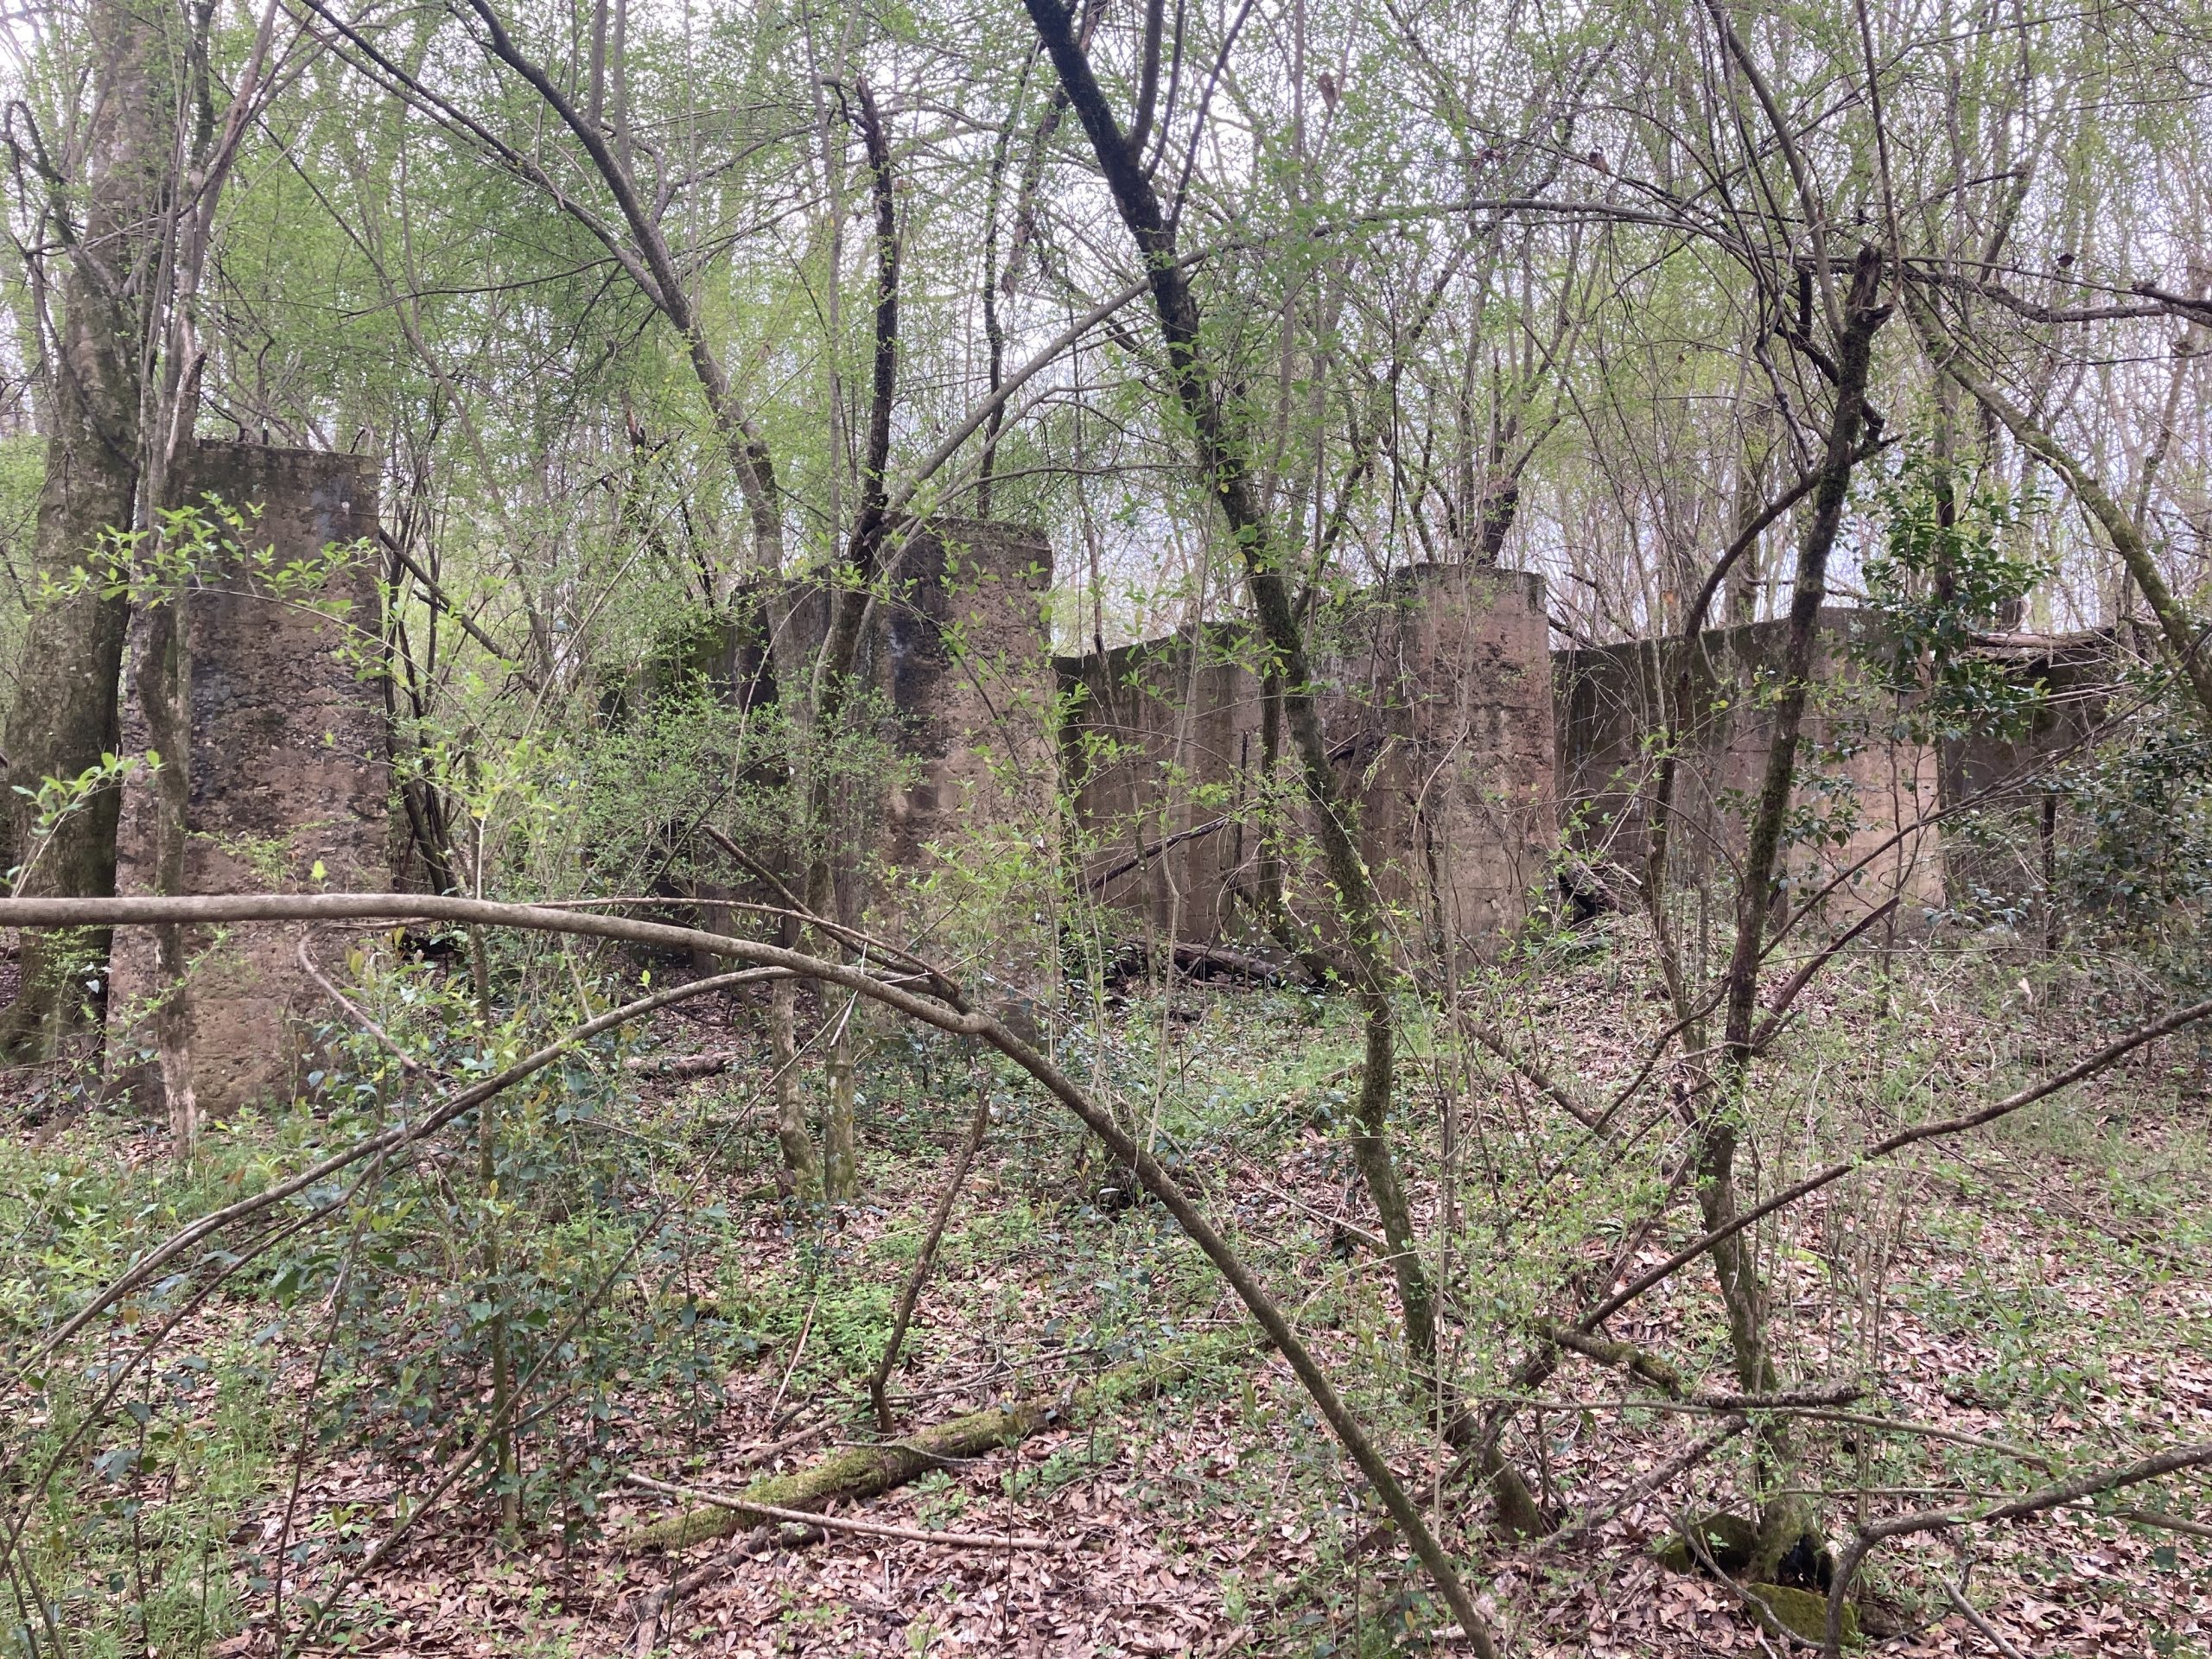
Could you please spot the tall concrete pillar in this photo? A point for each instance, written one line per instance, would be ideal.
(290, 767)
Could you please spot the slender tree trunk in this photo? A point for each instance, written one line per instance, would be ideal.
(1743, 590)
(162, 681)
(1210, 407)
(792, 1134)
(487, 1182)
(65, 715)
(848, 607)
(1783, 1518)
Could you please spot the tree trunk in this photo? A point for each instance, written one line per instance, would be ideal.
(1783, 1520)
(833, 670)
(65, 715)
(162, 664)
(1209, 406)
(792, 1133)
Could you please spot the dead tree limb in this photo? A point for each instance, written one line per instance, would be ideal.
(1658, 1480)
(1623, 1356)
(860, 1471)
(743, 1506)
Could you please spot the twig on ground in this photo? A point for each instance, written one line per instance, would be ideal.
(1996, 1637)
(910, 1292)
(842, 1523)
(2170, 1523)
(1672, 1470)
(656, 1605)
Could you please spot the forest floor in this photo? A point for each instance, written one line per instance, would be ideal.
(2035, 1299)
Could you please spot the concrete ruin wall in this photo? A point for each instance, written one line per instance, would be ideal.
(289, 769)
(958, 650)
(2000, 778)
(1853, 774)
(1435, 698)
(963, 657)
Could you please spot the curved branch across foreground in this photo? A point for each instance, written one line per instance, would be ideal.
(777, 960)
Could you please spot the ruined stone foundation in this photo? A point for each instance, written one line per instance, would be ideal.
(1434, 696)
(290, 771)
(1863, 810)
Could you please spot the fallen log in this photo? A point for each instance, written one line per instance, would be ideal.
(859, 1471)
(681, 1066)
(1216, 962)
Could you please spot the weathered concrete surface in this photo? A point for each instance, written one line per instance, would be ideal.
(2003, 779)
(964, 658)
(289, 769)
(1434, 694)
(960, 832)
(1859, 785)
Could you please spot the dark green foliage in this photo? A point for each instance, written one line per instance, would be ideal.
(1949, 568)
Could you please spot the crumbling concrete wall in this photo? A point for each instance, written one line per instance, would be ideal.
(1434, 696)
(1858, 784)
(289, 769)
(2000, 782)
(958, 829)
(963, 657)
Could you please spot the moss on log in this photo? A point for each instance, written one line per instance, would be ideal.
(859, 1471)
(1786, 1612)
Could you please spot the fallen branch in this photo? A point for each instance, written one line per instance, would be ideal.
(861, 1472)
(1665, 1475)
(1623, 1356)
(1995, 1636)
(681, 1066)
(910, 1292)
(752, 1510)
(1213, 959)
(2170, 1523)
(655, 1606)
